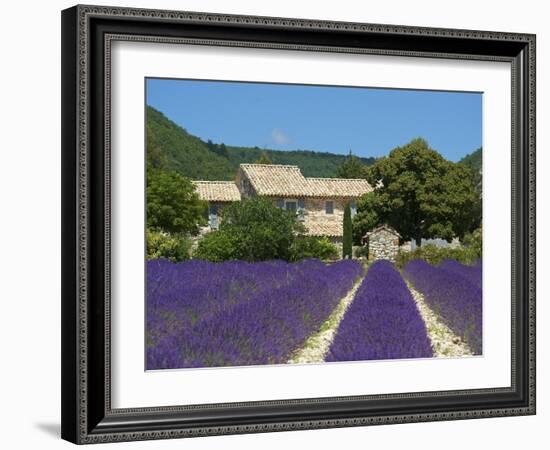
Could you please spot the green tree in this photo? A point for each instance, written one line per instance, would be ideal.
(420, 194)
(251, 230)
(264, 159)
(351, 168)
(172, 203)
(347, 238)
(367, 217)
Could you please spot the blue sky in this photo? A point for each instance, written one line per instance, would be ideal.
(368, 121)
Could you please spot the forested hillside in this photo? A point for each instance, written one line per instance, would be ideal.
(171, 147)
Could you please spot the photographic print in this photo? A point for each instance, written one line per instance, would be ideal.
(297, 224)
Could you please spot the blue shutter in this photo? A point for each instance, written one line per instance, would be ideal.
(280, 203)
(213, 217)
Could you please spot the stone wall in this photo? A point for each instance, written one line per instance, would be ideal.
(383, 244)
(315, 211)
(243, 184)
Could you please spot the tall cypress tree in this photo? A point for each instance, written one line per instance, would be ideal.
(347, 239)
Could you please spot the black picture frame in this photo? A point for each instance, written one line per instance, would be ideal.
(87, 416)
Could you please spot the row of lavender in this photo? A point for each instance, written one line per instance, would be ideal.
(201, 314)
(471, 273)
(382, 322)
(453, 292)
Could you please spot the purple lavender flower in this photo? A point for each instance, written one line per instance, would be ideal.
(382, 322)
(471, 273)
(202, 314)
(454, 294)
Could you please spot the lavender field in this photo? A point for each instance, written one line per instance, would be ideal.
(453, 292)
(202, 314)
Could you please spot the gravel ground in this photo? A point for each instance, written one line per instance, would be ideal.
(317, 345)
(444, 342)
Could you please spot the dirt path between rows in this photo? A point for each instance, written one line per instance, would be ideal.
(444, 342)
(318, 344)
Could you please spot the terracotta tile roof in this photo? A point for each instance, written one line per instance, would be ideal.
(338, 187)
(217, 191)
(385, 227)
(330, 229)
(288, 181)
(275, 179)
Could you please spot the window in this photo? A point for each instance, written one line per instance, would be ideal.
(291, 206)
(329, 207)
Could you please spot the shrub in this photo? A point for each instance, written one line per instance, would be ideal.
(435, 255)
(160, 244)
(251, 230)
(307, 247)
(473, 241)
(218, 246)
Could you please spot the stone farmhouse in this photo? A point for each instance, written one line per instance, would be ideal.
(318, 202)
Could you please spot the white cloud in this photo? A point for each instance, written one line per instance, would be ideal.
(279, 137)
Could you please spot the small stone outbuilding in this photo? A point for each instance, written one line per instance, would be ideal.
(383, 243)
